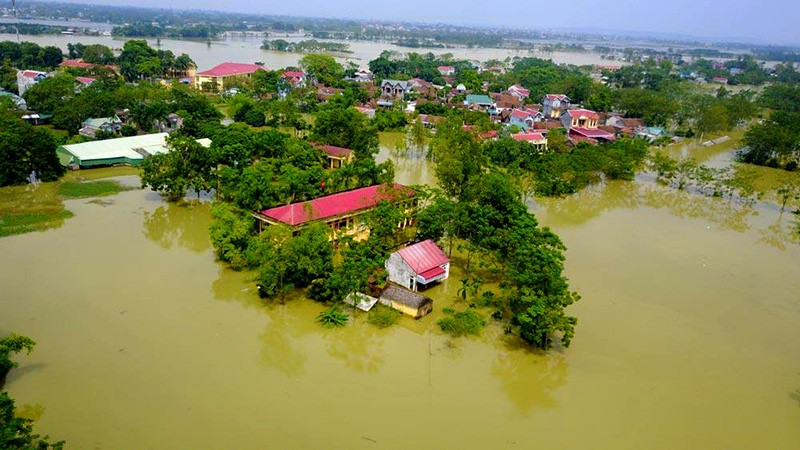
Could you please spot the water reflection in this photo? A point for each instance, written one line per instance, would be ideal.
(590, 203)
(359, 347)
(782, 232)
(528, 378)
(31, 411)
(280, 341)
(179, 224)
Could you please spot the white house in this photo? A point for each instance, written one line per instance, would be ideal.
(27, 78)
(418, 265)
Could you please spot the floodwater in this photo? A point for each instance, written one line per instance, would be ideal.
(688, 337)
(246, 49)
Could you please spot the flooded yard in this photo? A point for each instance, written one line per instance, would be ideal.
(688, 337)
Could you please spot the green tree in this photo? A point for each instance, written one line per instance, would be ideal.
(187, 165)
(17, 433)
(49, 93)
(9, 345)
(322, 68)
(24, 150)
(98, 54)
(348, 128)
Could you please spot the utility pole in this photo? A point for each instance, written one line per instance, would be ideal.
(16, 28)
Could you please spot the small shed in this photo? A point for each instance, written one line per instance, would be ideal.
(417, 265)
(405, 301)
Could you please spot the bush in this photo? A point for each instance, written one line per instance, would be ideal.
(332, 318)
(127, 130)
(383, 316)
(462, 323)
(255, 118)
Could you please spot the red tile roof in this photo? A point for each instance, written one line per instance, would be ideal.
(32, 74)
(582, 113)
(332, 150)
(293, 74)
(446, 68)
(335, 204)
(423, 256)
(556, 97)
(529, 137)
(592, 133)
(519, 89)
(230, 68)
(76, 63)
(85, 80)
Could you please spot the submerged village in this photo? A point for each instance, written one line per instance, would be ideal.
(299, 168)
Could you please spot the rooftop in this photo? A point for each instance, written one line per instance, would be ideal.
(593, 133)
(124, 147)
(479, 99)
(582, 113)
(404, 296)
(335, 204)
(423, 256)
(334, 151)
(230, 68)
(529, 137)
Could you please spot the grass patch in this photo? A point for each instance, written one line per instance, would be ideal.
(12, 224)
(75, 189)
(382, 316)
(37, 207)
(464, 323)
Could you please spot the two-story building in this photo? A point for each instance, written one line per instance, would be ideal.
(582, 126)
(524, 118)
(216, 77)
(447, 71)
(519, 92)
(27, 78)
(537, 139)
(553, 105)
(394, 88)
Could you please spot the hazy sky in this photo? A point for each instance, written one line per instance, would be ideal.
(772, 21)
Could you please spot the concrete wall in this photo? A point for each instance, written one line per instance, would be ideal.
(399, 272)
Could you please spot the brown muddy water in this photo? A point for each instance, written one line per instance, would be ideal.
(688, 337)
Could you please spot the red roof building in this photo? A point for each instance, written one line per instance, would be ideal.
(85, 80)
(579, 118)
(337, 156)
(519, 92)
(597, 134)
(418, 265)
(215, 77)
(294, 76)
(77, 63)
(340, 211)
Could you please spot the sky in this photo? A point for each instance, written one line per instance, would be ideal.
(766, 21)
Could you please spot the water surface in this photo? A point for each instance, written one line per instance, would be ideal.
(688, 337)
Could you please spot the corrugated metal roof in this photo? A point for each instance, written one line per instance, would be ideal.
(123, 147)
(423, 256)
(333, 205)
